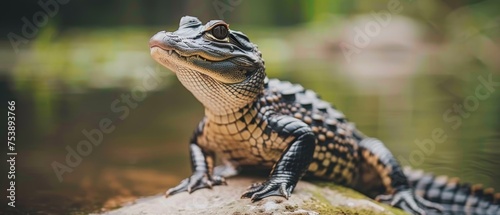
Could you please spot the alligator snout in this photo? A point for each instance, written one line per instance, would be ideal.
(158, 40)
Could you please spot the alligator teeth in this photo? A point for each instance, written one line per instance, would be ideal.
(198, 57)
(170, 52)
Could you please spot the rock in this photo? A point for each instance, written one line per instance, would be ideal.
(307, 199)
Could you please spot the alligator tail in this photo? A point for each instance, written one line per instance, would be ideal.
(455, 197)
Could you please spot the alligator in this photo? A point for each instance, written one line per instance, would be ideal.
(254, 122)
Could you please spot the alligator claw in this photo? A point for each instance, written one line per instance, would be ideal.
(409, 202)
(258, 191)
(195, 182)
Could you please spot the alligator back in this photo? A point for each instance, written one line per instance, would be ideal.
(336, 152)
(455, 197)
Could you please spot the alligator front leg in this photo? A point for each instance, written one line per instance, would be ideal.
(293, 162)
(202, 164)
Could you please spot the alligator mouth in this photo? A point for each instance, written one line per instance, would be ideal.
(185, 57)
(175, 53)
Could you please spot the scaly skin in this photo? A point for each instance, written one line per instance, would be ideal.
(255, 122)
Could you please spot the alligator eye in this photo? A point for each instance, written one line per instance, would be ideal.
(220, 32)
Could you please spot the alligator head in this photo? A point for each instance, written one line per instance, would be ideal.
(221, 67)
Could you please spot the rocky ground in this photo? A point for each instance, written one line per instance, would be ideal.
(307, 199)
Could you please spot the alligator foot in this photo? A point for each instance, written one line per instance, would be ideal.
(258, 191)
(195, 182)
(409, 202)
